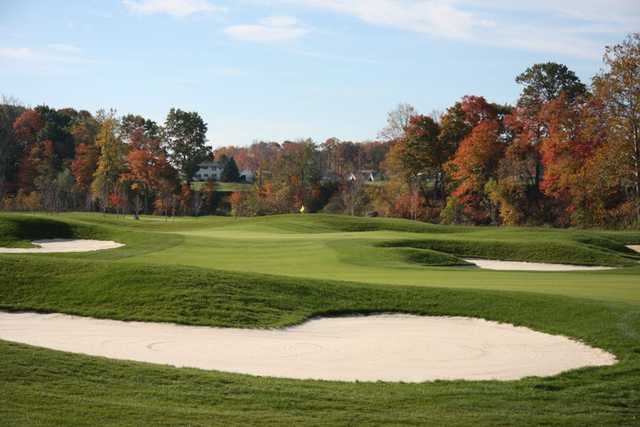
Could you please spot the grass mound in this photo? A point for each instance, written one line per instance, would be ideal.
(355, 224)
(562, 252)
(188, 295)
(327, 223)
(430, 257)
(608, 244)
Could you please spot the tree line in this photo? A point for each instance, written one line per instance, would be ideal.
(566, 154)
(57, 160)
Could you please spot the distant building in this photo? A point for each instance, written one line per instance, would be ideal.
(247, 176)
(213, 171)
(208, 171)
(369, 174)
(362, 175)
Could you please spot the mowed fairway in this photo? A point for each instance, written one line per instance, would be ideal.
(282, 270)
(308, 249)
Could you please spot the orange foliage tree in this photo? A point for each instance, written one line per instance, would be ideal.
(473, 165)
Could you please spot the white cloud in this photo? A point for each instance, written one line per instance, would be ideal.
(16, 53)
(177, 8)
(268, 30)
(65, 48)
(437, 17)
(620, 12)
(54, 53)
(563, 27)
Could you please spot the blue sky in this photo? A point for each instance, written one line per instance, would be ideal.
(287, 69)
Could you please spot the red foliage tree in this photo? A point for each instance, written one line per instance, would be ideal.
(147, 165)
(27, 126)
(473, 165)
(574, 133)
(84, 165)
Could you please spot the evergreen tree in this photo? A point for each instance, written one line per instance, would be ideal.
(230, 171)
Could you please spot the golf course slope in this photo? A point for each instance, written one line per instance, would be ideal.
(282, 274)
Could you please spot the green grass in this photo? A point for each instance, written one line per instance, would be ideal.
(568, 251)
(224, 187)
(277, 271)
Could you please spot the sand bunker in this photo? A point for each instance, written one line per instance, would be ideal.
(634, 247)
(530, 266)
(366, 348)
(63, 245)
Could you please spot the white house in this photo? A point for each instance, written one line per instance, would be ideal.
(213, 171)
(208, 171)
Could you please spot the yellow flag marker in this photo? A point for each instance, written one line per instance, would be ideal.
(302, 209)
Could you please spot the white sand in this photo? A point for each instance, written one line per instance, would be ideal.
(63, 245)
(367, 348)
(634, 247)
(530, 266)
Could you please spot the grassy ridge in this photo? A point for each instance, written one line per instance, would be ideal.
(200, 296)
(598, 252)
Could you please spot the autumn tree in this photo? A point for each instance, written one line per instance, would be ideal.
(56, 128)
(146, 165)
(521, 171)
(65, 194)
(84, 128)
(397, 122)
(341, 158)
(618, 88)
(10, 148)
(27, 127)
(83, 168)
(477, 110)
(111, 162)
(42, 170)
(297, 170)
(241, 155)
(472, 167)
(574, 133)
(373, 153)
(544, 82)
(186, 137)
(132, 123)
(454, 126)
(417, 161)
(262, 156)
